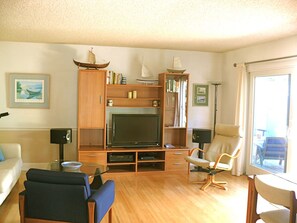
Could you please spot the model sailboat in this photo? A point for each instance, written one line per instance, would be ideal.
(91, 57)
(146, 76)
(91, 62)
(177, 66)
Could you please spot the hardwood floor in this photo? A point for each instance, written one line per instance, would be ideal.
(162, 197)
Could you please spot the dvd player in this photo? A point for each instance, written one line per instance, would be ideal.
(120, 157)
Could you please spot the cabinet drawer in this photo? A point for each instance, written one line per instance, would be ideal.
(93, 157)
(177, 166)
(175, 161)
(176, 155)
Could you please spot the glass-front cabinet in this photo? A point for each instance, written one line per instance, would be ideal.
(175, 109)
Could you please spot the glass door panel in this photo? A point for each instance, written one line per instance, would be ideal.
(271, 105)
(176, 101)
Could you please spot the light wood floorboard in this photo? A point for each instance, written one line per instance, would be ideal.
(162, 198)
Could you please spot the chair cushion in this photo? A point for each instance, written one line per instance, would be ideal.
(60, 202)
(274, 148)
(206, 164)
(11, 150)
(6, 180)
(222, 144)
(56, 177)
(227, 130)
(197, 161)
(276, 216)
(10, 170)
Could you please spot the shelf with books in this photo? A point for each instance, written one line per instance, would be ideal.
(133, 86)
(137, 102)
(174, 108)
(115, 78)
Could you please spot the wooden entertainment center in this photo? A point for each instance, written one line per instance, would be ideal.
(168, 98)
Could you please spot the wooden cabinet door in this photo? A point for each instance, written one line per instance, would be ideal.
(91, 98)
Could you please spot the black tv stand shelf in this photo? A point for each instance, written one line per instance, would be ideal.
(135, 160)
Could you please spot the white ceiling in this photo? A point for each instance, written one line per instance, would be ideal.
(202, 25)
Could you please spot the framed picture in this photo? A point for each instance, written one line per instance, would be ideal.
(200, 95)
(28, 90)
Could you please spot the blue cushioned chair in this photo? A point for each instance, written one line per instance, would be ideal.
(52, 196)
(274, 148)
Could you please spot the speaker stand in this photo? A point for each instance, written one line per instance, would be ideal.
(200, 153)
(61, 153)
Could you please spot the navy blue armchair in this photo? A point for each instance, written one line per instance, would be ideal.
(64, 197)
(274, 148)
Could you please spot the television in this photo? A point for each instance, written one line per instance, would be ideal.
(136, 130)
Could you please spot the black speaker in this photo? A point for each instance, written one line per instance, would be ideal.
(61, 136)
(201, 135)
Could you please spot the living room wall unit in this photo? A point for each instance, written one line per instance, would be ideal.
(168, 99)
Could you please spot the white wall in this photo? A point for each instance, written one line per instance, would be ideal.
(56, 60)
(281, 48)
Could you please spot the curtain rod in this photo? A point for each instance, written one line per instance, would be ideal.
(261, 61)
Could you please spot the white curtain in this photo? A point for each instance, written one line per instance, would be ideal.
(240, 116)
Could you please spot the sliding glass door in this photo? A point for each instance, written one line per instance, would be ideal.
(271, 122)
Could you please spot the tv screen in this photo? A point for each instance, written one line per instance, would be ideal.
(135, 130)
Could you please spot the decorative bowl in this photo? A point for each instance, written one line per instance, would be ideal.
(73, 165)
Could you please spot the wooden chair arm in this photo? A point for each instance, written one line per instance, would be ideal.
(193, 150)
(22, 207)
(225, 154)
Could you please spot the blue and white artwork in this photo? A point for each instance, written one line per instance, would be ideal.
(29, 91)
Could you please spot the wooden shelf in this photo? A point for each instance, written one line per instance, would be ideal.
(119, 93)
(125, 86)
(144, 167)
(121, 168)
(133, 99)
(92, 148)
(120, 163)
(175, 128)
(133, 102)
(151, 161)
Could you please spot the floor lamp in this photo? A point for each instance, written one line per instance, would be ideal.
(216, 84)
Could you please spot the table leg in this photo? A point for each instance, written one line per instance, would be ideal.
(251, 214)
(97, 181)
